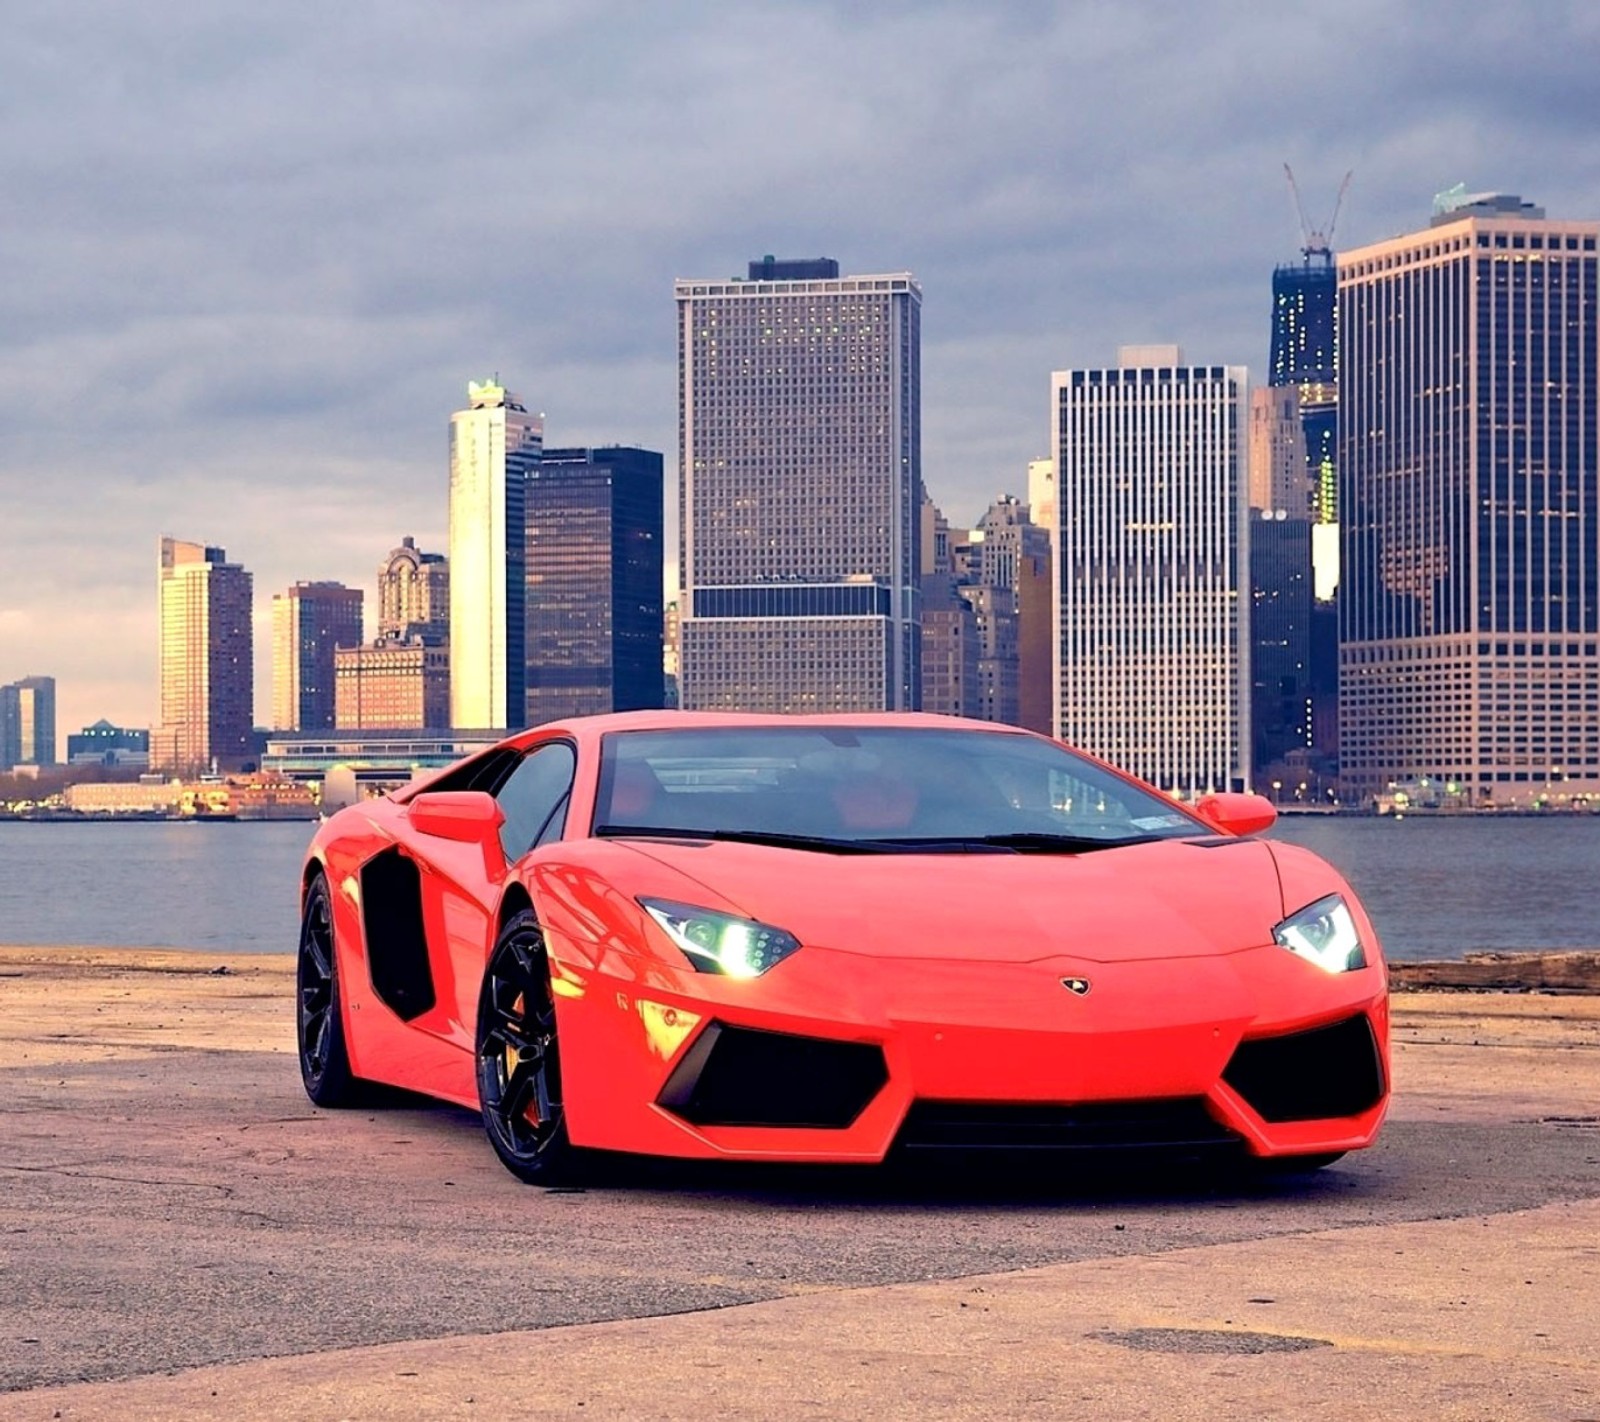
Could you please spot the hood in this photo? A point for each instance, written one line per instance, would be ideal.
(1168, 899)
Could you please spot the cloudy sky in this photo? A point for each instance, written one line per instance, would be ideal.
(252, 254)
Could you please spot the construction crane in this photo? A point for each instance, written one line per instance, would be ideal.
(1316, 242)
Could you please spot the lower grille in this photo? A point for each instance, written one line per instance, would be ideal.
(1178, 1124)
(734, 1076)
(1310, 1076)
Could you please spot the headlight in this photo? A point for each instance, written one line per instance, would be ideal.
(719, 942)
(1324, 933)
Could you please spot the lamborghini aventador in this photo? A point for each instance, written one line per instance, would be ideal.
(834, 938)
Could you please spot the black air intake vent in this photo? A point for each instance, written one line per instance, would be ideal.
(734, 1076)
(1178, 1124)
(397, 950)
(1310, 1076)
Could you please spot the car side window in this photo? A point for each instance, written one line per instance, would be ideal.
(533, 796)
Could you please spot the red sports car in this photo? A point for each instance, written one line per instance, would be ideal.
(825, 938)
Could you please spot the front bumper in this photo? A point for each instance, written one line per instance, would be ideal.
(840, 1057)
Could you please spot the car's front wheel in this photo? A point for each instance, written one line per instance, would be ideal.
(519, 1065)
(324, 1056)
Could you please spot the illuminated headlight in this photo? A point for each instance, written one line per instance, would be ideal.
(1324, 933)
(719, 942)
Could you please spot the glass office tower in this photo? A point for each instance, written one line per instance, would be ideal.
(594, 614)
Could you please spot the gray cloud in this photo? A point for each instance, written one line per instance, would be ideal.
(253, 253)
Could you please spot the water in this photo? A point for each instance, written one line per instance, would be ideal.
(232, 885)
(1436, 887)
(1442, 886)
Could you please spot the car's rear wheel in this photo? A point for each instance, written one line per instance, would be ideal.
(324, 1055)
(519, 1064)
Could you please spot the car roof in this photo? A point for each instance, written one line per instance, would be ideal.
(589, 728)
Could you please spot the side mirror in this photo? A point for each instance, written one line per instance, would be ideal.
(1233, 813)
(466, 816)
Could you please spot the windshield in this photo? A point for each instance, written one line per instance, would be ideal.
(890, 786)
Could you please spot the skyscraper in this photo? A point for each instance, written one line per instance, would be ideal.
(393, 684)
(1014, 555)
(414, 594)
(28, 722)
(1470, 496)
(800, 459)
(1153, 560)
(494, 442)
(308, 622)
(1280, 639)
(1305, 355)
(594, 550)
(950, 646)
(1294, 425)
(207, 672)
(1279, 478)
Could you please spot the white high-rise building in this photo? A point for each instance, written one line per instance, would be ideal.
(1151, 581)
(493, 444)
(801, 481)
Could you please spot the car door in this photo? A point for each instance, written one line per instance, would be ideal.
(462, 886)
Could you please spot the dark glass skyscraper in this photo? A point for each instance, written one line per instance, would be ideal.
(1305, 353)
(594, 616)
(1304, 365)
(1280, 638)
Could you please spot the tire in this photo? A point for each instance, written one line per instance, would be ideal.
(518, 1063)
(324, 1055)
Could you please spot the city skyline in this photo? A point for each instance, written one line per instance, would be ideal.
(275, 299)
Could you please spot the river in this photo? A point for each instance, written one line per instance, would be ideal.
(1436, 887)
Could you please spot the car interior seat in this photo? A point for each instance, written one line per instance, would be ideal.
(636, 794)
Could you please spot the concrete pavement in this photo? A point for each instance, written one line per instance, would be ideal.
(168, 1201)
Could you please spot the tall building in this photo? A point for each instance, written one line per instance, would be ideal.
(1305, 356)
(800, 463)
(1293, 477)
(950, 649)
(207, 671)
(308, 622)
(392, 684)
(669, 652)
(1279, 479)
(1470, 496)
(1014, 555)
(594, 551)
(994, 611)
(1152, 574)
(28, 722)
(414, 594)
(494, 442)
(1281, 718)
(1042, 492)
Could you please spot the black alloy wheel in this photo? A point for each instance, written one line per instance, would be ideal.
(519, 1066)
(324, 1060)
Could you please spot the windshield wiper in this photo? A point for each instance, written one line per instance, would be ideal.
(776, 839)
(1023, 842)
